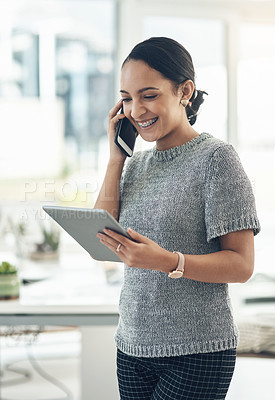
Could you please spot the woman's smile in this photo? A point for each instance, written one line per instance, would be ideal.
(147, 123)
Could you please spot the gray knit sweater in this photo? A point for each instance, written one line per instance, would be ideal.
(183, 198)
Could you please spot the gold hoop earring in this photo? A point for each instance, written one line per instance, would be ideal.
(184, 102)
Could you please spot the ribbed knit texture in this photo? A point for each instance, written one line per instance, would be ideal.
(183, 198)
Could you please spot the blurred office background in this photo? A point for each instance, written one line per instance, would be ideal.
(59, 76)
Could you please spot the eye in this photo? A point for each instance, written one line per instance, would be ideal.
(150, 97)
(126, 100)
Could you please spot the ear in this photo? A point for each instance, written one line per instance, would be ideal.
(186, 89)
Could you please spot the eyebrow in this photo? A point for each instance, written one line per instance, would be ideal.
(141, 90)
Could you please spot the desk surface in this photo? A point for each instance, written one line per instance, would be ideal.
(75, 286)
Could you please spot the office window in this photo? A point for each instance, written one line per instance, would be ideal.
(256, 118)
(57, 77)
(20, 68)
(85, 78)
(56, 88)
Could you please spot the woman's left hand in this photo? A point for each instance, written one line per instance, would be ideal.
(140, 252)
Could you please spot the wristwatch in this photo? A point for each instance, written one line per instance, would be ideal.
(178, 272)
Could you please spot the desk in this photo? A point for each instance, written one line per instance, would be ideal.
(75, 293)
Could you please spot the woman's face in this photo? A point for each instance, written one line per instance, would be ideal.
(150, 103)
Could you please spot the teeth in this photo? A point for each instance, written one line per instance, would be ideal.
(147, 123)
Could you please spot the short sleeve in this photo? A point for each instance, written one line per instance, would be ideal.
(229, 199)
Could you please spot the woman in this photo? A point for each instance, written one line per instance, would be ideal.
(192, 215)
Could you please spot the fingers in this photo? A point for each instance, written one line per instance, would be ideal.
(113, 238)
(112, 244)
(137, 236)
(114, 117)
(114, 111)
(115, 120)
(140, 252)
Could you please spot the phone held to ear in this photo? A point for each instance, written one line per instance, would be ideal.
(125, 136)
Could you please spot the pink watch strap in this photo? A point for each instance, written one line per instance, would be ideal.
(178, 272)
(180, 266)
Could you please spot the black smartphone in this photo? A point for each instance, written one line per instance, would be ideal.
(125, 136)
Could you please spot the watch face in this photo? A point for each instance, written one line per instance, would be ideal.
(175, 274)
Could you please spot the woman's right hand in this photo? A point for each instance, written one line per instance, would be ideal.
(116, 154)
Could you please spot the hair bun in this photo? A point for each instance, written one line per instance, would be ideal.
(192, 109)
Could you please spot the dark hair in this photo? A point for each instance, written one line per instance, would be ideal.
(173, 61)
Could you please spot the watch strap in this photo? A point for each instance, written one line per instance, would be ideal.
(178, 272)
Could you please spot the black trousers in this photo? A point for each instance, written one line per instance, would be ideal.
(191, 377)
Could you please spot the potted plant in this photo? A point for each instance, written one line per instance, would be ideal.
(9, 281)
(48, 248)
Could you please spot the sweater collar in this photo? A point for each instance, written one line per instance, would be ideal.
(170, 154)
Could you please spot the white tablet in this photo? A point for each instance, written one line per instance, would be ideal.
(83, 224)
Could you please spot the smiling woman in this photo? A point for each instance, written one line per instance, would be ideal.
(178, 68)
(192, 215)
(155, 110)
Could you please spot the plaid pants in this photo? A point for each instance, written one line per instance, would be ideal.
(191, 377)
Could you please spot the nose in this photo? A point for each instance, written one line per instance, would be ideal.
(137, 110)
